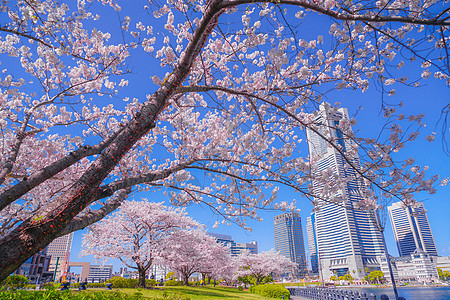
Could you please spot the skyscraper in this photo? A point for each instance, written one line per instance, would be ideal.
(312, 243)
(411, 229)
(59, 249)
(346, 237)
(289, 240)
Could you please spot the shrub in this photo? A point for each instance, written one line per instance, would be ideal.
(240, 289)
(120, 282)
(270, 290)
(14, 282)
(150, 282)
(96, 284)
(30, 286)
(170, 275)
(52, 286)
(173, 283)
(195, 283)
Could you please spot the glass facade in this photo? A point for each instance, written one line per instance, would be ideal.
(411, 229)
(289, 240)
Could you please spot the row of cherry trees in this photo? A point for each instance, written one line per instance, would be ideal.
(92, 110)
(143, 233)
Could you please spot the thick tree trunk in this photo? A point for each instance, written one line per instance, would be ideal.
(35, 234)
(141, 272)
(186, 280)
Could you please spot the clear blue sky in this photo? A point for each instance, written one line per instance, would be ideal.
(428, 99)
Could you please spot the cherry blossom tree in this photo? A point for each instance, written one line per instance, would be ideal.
(191, 251)
(233, 87)
(263, 264)
(135, 234)
(227, 272)
(220, 265)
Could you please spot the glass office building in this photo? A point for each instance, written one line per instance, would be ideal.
(411, 229)
(289, 240)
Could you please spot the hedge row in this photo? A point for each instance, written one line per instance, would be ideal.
(270, 290)
(120, 282)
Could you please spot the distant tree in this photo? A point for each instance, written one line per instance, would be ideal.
(135, 234)
(259, 266)
(227, 272)
(348, 277)
(376, 276)
(443, 275)
(190, 251)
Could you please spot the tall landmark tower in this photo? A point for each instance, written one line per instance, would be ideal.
(346, 238)
(289, 240)
(411, 229)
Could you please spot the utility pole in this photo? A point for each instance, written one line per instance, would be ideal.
(379, 225)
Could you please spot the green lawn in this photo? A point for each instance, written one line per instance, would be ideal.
(194, 293)
(157, 293)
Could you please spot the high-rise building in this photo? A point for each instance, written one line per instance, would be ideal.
(411, 229)
(59, 250)
(235, 249)
(347, 239)
(312, 243)
(289, 240)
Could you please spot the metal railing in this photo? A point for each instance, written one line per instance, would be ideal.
(333, 294)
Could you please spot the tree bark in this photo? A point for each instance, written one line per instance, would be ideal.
(90, 218)
(141, 272)
(186, 280)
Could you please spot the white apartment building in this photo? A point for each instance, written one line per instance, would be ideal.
(418, 266)
(443, 263)
(100, 273)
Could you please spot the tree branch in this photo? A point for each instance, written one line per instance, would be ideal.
(28, 183)
(342, 16)
(80, 222)
(28, 36)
